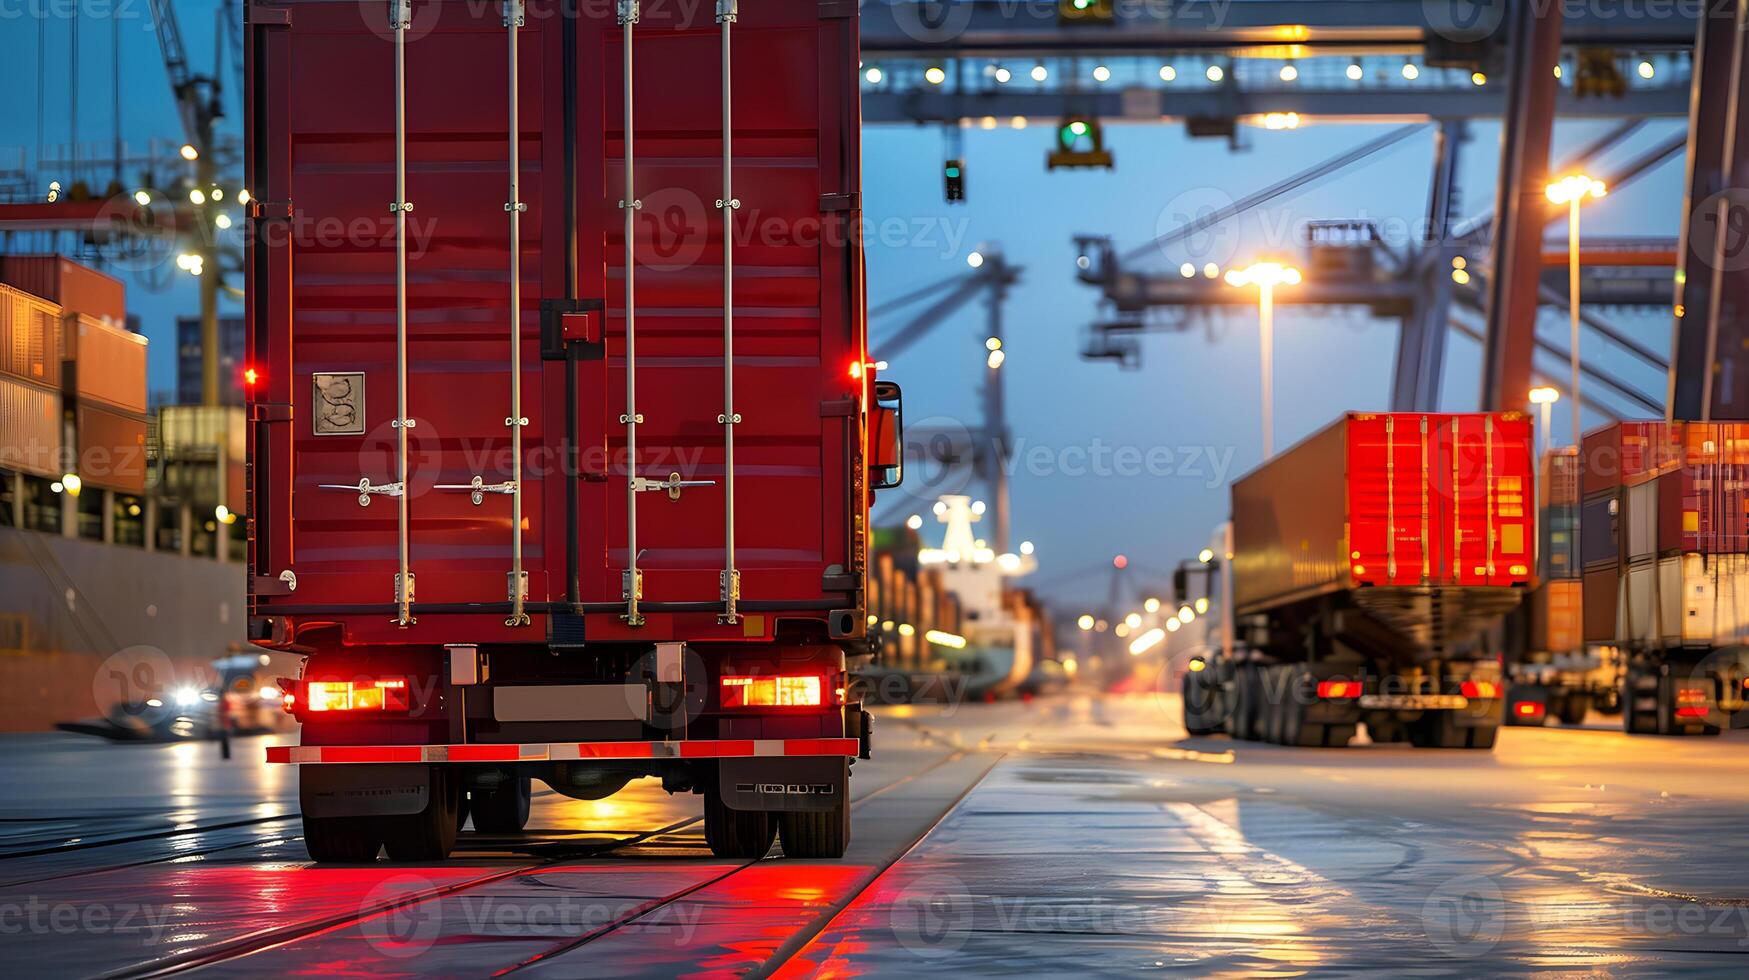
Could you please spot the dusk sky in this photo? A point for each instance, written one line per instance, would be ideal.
(1196, 394)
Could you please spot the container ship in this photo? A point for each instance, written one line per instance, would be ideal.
(121, 542)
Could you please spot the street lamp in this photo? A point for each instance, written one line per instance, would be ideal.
(1266, 276)
(1545, 397)
(1572, 190)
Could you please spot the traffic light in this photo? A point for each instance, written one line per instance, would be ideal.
(1085, 11)
(1080, 143)
(1598, 74)
(953, 176)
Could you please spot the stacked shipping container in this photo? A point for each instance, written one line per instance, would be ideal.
(1664, 534)
(72, 380)
(1555, 616)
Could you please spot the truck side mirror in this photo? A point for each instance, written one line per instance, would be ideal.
(1181, 585)
(886, 437)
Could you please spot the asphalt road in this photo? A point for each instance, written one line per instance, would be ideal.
(1068, 836)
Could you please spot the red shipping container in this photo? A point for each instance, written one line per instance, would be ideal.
(111, 447)
(104, 363)
(77, 288)
(1388, 500)
(1701, 500)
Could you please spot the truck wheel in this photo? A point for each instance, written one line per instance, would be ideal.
(1243, 724)
(1639, 702)
(1575, 707)
(743, 834)
(1440, 730)
(428, 835)
(819, 834)
(1297, 685)
(816, 833)
(503, 809)
(342, 840)
(1201, 700)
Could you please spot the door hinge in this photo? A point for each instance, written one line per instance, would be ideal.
(265, 15)
(270, 210)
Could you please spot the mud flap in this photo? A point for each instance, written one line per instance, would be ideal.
(381, 790)
(777, 784)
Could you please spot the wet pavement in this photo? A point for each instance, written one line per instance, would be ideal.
(1077, 835)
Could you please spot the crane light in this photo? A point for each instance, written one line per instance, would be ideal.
(189, 152)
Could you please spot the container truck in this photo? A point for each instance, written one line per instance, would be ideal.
(558, 470)
(1552, 674)
(1369, 564)
(1664, 542)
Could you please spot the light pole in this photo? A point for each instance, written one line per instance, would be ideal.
(1545, 398)
(1571, 191)
(1266, 276)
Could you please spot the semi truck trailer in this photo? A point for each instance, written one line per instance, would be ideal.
(1664, 542)
(1369, 564)
(562, 427)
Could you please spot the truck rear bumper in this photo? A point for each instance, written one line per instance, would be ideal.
(563, 751)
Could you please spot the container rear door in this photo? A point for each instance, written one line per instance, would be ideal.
(1394, 514)
(797, 322)
(1491, 498)
(324, 307)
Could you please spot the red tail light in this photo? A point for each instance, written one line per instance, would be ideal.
(1338, 689)
(1529, 709)
(1691, 702)
(1481, 690)
(774, 691)
(364, 694)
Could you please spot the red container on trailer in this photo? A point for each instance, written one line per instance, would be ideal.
(1388, 499)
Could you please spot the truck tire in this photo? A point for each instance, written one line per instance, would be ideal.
(816, 834)
(1639, 702)
(1440, 730)
(819, 834)
(739, 834)
(428, 835)
(1202, 704)
(1574, 707)
(342, 840)
(1246, 722)
(503, 809)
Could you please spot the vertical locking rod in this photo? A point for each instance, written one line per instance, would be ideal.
(518, 579)
(401, 12)
(633, 581)
(730, 585)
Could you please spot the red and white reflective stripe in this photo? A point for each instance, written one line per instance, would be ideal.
(734, 748)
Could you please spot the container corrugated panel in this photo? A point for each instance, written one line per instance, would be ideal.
(108, 364)
(1602, 595)
(1556, 612)
(30, 428)
(111, 447)
(30, 337)
(200, 428)
(1558, 478)
(1290, 521)
(76, 288)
